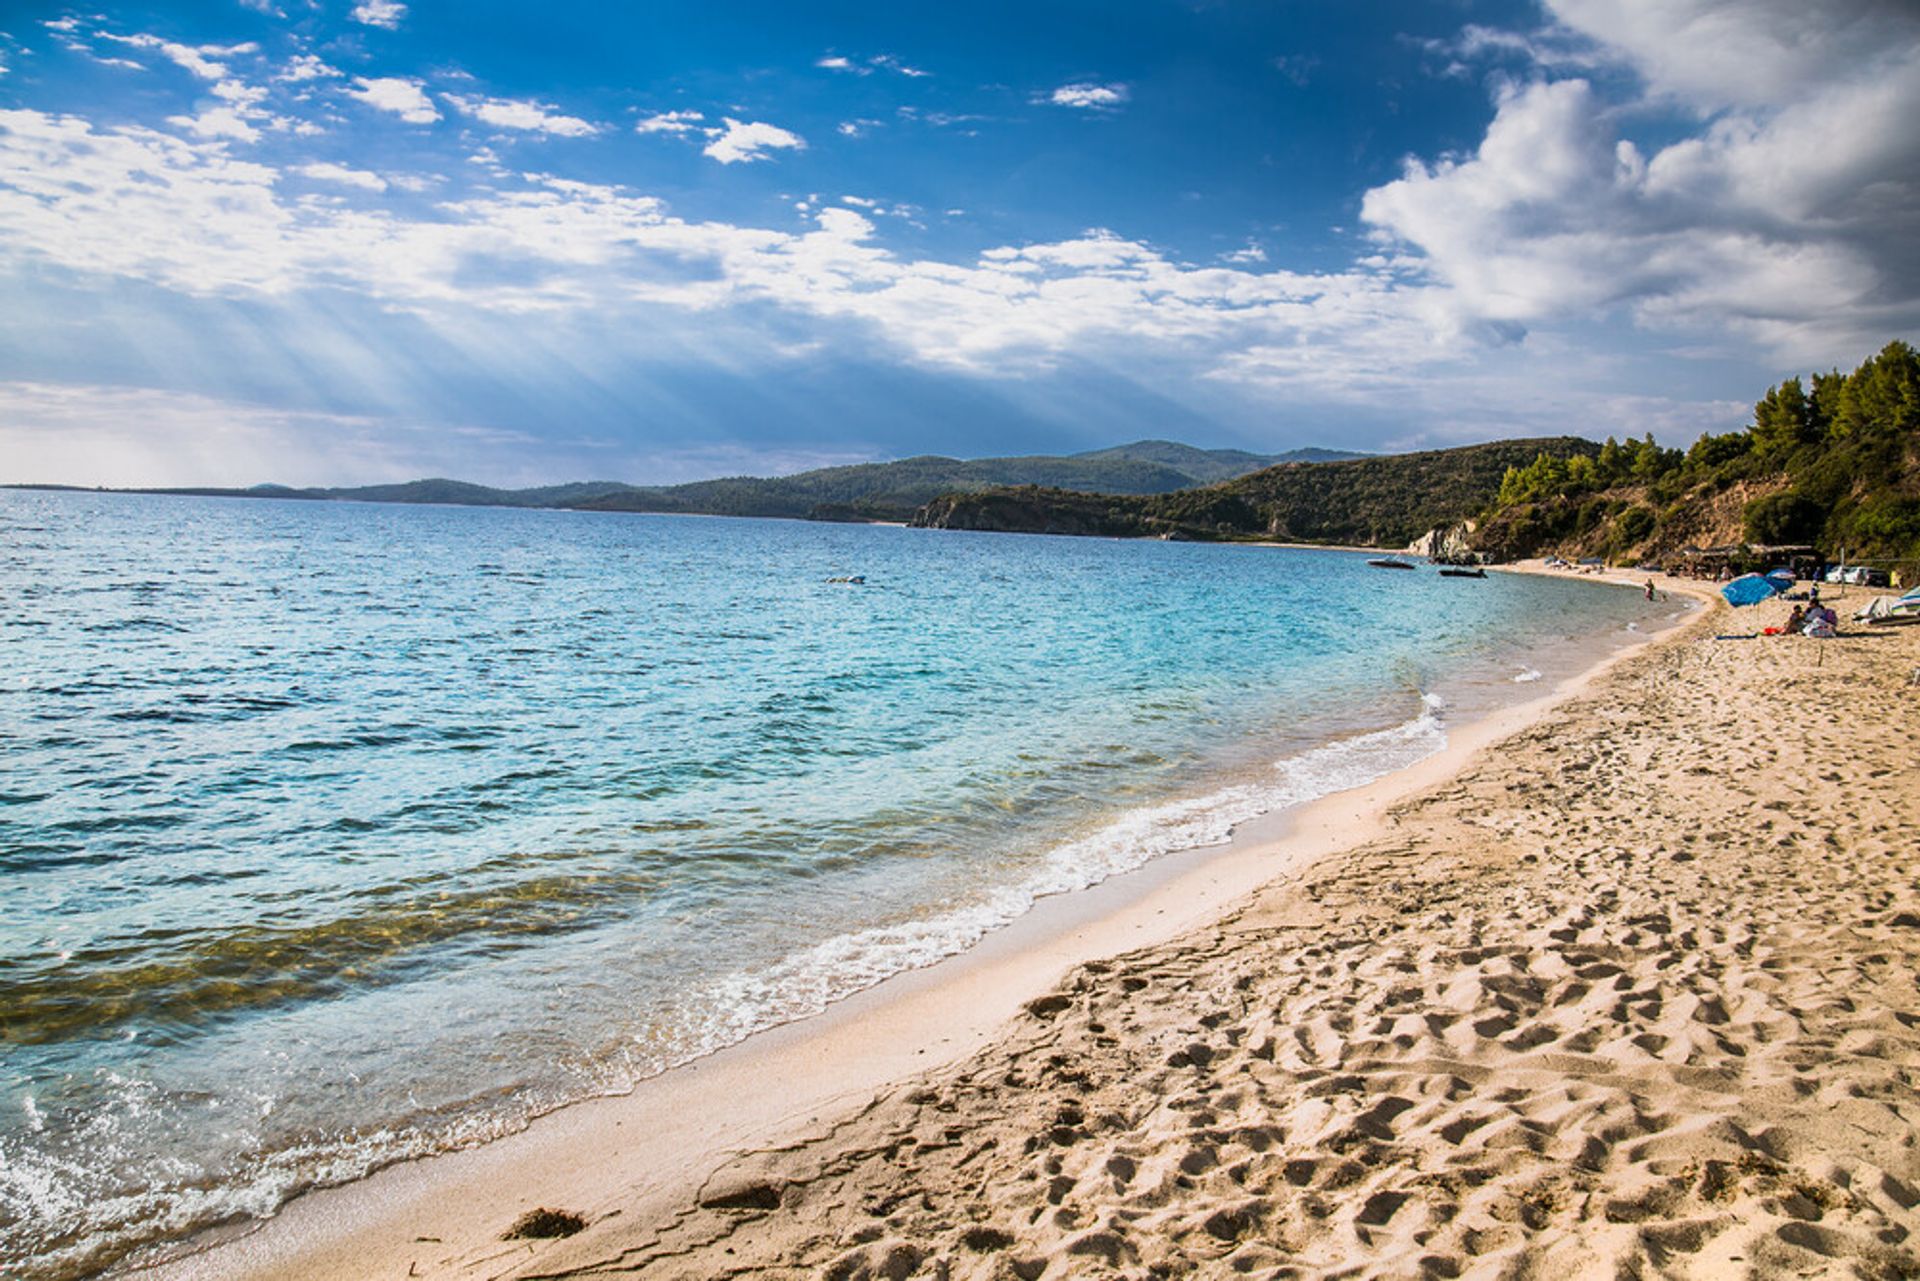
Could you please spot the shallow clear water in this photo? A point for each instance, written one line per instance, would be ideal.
(332, 833)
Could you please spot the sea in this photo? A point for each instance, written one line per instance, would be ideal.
(333, 834)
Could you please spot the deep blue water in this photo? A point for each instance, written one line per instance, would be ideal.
(332, 832)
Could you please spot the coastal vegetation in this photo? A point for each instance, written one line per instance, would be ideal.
(1832, 462)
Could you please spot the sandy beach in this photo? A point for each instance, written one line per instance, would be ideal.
(1620, 985)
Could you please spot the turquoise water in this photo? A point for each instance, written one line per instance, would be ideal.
(334, 833)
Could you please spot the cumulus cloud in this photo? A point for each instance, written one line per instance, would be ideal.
(305, 66)
(1086, 96)
(1748, 53)
(344, 176)
(1788, 214)
(835, 62)
(385, 14)
(674, 122)
(398, 94)
(524, 115)
(743, 141)
(218, 122)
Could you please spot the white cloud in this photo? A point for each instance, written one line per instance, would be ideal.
(1789, 215)
(385, 14)
(1087, 96)
(305, 66)
(204, 61)
(213, 225)
(674, 122)
(1792, 223)
(744, 141)
(344, 176)
(522, 114)
(401, 96)
(1746, 53)
(888, 62)
(218, 122)
(879, 62)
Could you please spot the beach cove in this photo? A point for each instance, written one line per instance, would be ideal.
(346, 835)
(1623, 978)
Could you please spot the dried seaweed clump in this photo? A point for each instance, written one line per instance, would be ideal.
(544, 1223)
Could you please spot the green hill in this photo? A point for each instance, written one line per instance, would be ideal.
(1385, 501)
(896, 490)
(1208, 466)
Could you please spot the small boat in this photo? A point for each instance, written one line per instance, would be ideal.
(1460, 571)
(1388, 562)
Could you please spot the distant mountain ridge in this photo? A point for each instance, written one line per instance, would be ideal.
(864, 491)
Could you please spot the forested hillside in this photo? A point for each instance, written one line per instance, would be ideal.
(1833, 461)
(1384, 501)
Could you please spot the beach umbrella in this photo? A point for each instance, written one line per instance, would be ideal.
(1782, 578)
(1749, 589)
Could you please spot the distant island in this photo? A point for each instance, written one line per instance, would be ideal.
(892, 491)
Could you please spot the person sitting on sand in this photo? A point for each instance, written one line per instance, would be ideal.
(1822, 621)
(1795, 621)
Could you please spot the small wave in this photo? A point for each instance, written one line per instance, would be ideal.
(808, 981)
(138, 624)
(1527, 676)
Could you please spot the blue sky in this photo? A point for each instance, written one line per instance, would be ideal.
(339, 241)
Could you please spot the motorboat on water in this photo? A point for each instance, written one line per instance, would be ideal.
(1388, 562)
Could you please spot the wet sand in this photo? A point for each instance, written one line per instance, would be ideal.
(1623, 983)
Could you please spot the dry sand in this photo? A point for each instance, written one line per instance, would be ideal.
(1634, 994)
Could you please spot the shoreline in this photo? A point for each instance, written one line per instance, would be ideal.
(444, 1215)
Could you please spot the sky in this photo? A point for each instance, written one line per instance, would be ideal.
(354, 241)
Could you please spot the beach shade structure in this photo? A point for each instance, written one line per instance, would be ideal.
(1749, 589)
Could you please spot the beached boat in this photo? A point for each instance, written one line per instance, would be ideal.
(1388, 562)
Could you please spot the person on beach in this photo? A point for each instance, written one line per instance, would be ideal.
(1795, 621)
(1649, 589)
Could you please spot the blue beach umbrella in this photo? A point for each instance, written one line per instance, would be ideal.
(1749, 589)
